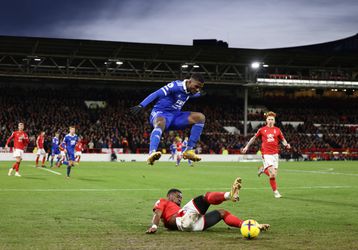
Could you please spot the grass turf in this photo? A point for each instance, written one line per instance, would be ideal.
(108, 206)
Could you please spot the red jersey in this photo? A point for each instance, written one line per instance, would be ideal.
(270, 138)
(168, 208)
(79, 147)
(40, 141)
(179, 146)
(20, 139)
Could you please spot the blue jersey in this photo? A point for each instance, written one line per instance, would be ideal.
(70, 142)
(55, 143)
(171, 97)
(185, 144)
(173, 148)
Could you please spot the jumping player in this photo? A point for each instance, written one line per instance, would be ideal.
(194, 216)
(40, 149)
(21, 140)
(167, 114)
(270, 138)
(70, 141)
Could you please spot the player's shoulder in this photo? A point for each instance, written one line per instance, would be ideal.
(177, 84)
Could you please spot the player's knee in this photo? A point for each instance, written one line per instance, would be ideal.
(160, 123)
(201, 117)
(222, 212)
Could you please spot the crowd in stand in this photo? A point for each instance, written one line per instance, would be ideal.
(54, 110)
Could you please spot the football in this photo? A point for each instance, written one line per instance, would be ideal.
(250, 229)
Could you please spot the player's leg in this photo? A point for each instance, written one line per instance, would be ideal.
(178, 159)
(213, 217)
(159, 123)
(271, 165)
(37, 157)
(52, 157)
(203, 202)
(197, 120)
(43, 158)
(17, 166)
(181, 121)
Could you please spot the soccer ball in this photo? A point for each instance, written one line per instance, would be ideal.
(250, 229)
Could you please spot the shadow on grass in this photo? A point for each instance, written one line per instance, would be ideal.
(34, 178)
(89, 179)
(322, 202)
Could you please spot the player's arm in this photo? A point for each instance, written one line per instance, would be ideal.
(9, 139)
(252, 140)
(163, 91)
(155, 222)
(285, 143)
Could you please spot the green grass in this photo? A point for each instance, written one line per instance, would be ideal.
(108, 206)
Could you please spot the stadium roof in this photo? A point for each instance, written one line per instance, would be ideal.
(119, 61)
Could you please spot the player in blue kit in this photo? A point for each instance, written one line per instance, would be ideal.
(167, 114)
(55, 149)
(70, 141)
(173, 150)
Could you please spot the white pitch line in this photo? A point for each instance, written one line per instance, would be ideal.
(318, 172)
(156, 189)
(49, 170)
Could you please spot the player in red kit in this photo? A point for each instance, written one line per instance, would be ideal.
(78, 150)
(21, 140)
(194, 216)
(179, 152)
(270, 136)
(40, 149)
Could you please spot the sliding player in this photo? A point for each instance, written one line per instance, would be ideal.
(194, 216)
(270, 138)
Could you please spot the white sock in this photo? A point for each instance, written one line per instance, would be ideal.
(227, 195)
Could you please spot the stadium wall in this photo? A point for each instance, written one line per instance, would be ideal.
(142, 157)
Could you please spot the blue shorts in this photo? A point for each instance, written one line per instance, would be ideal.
(173, 120)
(70, 156)
(55, 151)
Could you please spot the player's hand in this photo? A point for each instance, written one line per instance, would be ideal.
(151, 230)
(203, 93)
(244, 150)
(136, 109)
(288, 146)
(6, 148)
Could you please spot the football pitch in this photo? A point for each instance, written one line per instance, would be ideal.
(109, 206)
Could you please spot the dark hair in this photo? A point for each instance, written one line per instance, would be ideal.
(173, 190)
(198, 77)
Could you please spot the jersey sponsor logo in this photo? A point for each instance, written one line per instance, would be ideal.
(179, 104)
(270, 138)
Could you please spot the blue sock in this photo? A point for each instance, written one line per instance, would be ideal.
(155, 139)
(68, 171)
(195, 135)
(178, 160)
